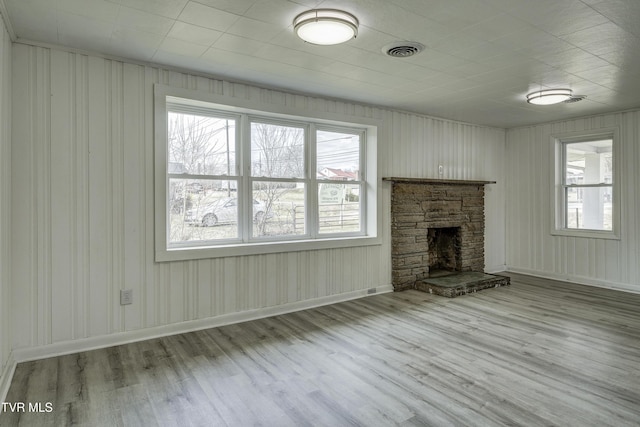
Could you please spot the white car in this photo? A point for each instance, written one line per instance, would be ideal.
(221, 211)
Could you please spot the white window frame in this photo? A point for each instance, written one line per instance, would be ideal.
(558, 202)
(246, 111)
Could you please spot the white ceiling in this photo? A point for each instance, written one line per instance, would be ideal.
(482, 56)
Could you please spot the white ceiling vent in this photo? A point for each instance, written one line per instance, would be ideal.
(575, 98)
(402, 49)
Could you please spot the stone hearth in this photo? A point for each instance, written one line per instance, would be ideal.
(436, 226)
(456, 284)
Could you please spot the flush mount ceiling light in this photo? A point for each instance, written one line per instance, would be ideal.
(326, 26)
(549, 96)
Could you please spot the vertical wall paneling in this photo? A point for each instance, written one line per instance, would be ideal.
(83, 166)
(133, 180)
(61, 162)
(417, 145)
(530, 246)
(21, 248)
(98, 285)
(148, 297)
(41, 168)
(116, 189)
(6, 365)
(30, 197)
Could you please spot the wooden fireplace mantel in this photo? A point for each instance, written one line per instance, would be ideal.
(436, 181)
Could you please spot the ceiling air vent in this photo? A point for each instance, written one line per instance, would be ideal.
(575, 98)
(402, 49)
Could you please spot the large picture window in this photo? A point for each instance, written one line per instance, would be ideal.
(232, 181)
(587, 197)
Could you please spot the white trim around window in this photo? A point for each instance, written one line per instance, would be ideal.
(568, 194)
(235, 178)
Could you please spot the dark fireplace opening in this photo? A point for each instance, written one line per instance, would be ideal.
(443, 250)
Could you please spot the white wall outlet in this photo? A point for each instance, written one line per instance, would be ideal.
(126, 296)
(440, 170)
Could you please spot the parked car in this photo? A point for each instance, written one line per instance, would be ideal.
(195, 187)
(221, 211)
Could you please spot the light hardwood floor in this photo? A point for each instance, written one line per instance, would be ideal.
(537, 353)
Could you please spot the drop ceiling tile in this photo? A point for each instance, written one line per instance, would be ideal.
(72, 27)
(193, 33)
(353, 55)
(532, 41)
(181, 47)
(622, 12)
(575, 61)
(608, 76)
(495, 27)
(143, 21)
(207, 17)
(473, 71)
(239, 60)
(166, 8)
(559, 17)
(254, 29)
(456, 43)
(287, 56)
(106, 10)
(435, 60)
(31, 19)
(237, 7)
(455, 15)
(396, 21)
(624, 58)
(131, 43)
(603, 39)
(231, 43)
(371, 40)
(278, 12)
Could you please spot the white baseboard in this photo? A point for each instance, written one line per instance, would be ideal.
(93, 343)
(495, 269)
(6, 376)
(581, 280)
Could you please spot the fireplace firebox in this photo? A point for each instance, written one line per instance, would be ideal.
(443, 250)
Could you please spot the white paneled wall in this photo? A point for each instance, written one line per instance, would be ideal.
(5, 209)
(530, 246)
(419, 145)
(83, 204)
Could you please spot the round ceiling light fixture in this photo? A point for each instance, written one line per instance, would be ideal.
(326, 26)
(549, 96)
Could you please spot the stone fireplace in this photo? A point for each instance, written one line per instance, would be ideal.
(436, 226)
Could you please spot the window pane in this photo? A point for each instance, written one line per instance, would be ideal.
(589, 208)
(202, 210)
(589, 162)
(278, 209)
(201, 145)
(339, 207)
(338, 156)
(277, 151)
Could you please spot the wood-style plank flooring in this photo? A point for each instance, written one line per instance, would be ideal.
(537, 353)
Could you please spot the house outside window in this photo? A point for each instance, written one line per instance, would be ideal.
(586, 191)
(235, 181)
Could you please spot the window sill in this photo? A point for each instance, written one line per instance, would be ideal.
(588, 234)
(244, 249)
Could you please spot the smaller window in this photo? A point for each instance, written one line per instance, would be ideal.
(586, 197)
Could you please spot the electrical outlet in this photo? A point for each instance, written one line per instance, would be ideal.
(440, 170)
(126, 296)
